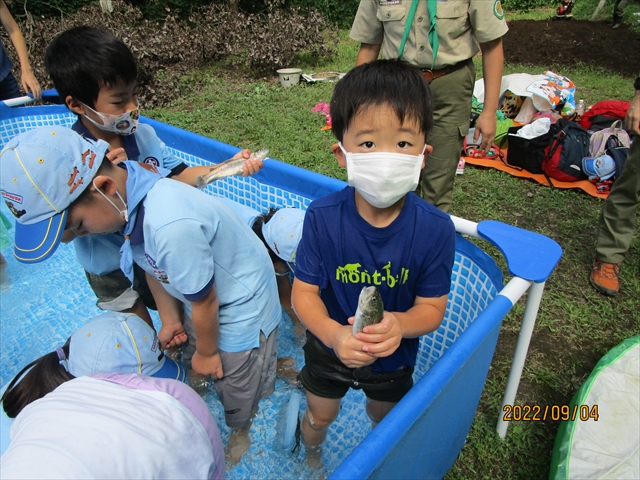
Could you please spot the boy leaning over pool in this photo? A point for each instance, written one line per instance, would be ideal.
(376, 231)
(95, 74)
(206, 262)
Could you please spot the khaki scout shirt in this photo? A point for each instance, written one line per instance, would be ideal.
(461, 25)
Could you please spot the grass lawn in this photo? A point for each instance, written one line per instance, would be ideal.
(575, 326)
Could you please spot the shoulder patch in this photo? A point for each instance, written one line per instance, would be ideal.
(498, 11)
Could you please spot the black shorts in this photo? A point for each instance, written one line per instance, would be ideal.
(326, 376)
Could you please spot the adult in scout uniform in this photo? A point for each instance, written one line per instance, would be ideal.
(618, 215)
(441, 38)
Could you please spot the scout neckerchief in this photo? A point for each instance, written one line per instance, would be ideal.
(139, 182)
(432, 7)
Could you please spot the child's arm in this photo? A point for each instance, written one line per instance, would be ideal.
(191, 174)
(424, 317)
(170, 310)
(313, 314)
(204, 313)
(28, 79)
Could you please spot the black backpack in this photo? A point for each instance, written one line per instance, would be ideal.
(563, 156)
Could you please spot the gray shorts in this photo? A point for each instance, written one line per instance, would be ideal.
(249, 377)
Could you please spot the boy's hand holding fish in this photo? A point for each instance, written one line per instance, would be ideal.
(251, 165)
(381, 339)
(380, 331)
(239, 164)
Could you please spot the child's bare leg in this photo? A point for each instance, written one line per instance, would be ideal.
(320, 413)
(377, 410)
(3, 261)
(284, 292)
(239, 441)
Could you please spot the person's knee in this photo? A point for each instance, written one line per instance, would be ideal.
(319, 421)
(377, 410)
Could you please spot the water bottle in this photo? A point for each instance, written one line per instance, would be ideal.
(580, 108)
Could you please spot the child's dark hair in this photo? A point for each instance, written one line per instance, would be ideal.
(82, 60)
(43, 376)
(392, 82)
(257, 229)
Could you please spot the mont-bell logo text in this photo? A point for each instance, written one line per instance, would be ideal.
(352, 273)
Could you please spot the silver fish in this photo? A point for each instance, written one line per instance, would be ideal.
(370, 309)
(230, 167)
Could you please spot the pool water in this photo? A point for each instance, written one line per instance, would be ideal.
(42, 304)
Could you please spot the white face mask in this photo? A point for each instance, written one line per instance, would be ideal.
(123, 213)
(383, 178)
(123, 124)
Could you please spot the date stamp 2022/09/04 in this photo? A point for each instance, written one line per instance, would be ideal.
(539, 413)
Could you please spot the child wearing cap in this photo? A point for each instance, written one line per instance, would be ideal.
(204, 264)
(95, 75)
(281, 230)
(375, 232)
(115, 425)
(108, 343)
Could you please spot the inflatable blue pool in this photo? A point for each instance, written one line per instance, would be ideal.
(43, 304)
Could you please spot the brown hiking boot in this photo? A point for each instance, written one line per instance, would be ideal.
(604, 277)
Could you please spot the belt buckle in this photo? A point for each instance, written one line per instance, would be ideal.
(428, 75)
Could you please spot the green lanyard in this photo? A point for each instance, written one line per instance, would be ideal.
(432, 7)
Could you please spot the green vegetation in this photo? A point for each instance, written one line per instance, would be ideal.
(575, 326)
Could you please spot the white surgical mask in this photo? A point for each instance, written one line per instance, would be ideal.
(383, 178)
(123, 213)
(123, 124)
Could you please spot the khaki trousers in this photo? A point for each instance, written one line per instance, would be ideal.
(452, 95)
(618, 215)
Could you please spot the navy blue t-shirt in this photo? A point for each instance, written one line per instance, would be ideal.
(341, 252)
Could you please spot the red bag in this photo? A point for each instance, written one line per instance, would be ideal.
(563, 156)
(616, 109)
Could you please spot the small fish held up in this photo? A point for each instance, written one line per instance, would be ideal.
(228, 168)
(370, 309)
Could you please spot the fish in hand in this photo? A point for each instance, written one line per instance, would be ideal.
(228, 168)
(370, 309)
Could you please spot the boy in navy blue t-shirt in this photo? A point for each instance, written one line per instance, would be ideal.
(375, 232)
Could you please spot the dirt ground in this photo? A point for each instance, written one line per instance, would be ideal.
(564, 43)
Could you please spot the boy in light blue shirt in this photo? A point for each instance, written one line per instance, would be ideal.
(194, 248)
(95, 75)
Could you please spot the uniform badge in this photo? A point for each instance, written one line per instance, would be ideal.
(498, 11)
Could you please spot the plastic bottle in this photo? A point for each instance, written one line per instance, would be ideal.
(580, 108)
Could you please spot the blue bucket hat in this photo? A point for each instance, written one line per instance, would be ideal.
(42, 171)
(283, 232)
(119, 343)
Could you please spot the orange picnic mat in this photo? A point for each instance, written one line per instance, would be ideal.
(498, 164)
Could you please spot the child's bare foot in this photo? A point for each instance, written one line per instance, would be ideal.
(286, 371)
(200, 383)
(314, 462)
(238, 445)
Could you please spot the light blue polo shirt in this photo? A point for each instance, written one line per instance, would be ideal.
(193, 241)
(100, 254)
